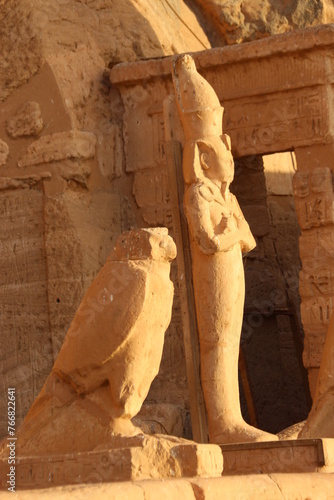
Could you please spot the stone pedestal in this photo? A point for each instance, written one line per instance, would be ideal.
(303, 455)
(137, 458)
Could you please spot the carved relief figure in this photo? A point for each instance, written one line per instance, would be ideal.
(320, 422)
(219, 234)
(111, 353)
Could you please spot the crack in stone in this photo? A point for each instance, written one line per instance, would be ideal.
(278, 486)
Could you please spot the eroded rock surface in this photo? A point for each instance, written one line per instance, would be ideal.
(59, 216)
(242, 21)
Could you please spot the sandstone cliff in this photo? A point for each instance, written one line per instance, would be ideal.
(242, 21)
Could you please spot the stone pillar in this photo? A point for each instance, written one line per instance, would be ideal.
(314, 197)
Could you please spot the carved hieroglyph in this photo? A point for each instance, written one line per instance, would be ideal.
(219, 234)
(320, 422)
(314, 200)
(4, 152)
(111, 353)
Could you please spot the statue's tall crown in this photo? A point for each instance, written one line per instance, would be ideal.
(199, 107)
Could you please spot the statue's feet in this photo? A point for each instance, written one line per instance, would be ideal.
(124, 427)
(241, 433)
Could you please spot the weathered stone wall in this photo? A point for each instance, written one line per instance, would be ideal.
(242, 21)
(66, 192)
(60, 152)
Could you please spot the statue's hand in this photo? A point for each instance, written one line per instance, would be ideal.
(243, 226)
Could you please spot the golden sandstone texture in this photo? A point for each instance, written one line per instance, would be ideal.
(242, 21)
(127, 30)
(64, 193)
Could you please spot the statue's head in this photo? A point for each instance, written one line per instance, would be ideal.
(207, 151)
(142, 244)
(199, 108)
(216, 159)
(209, 158)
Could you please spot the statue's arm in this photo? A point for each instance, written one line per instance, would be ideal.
(248, 241)
(199, 221)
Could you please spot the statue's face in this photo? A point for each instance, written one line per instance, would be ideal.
(143, 244)
(220, 162)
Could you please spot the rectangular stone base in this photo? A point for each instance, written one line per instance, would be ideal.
(304, 455)
(120, 464)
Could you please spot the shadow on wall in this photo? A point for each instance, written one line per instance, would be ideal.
(272, 335)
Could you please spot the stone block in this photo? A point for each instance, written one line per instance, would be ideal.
(205, 460)
(240, 488)
(167, 490)
(263, 487)
(303, 455)
(27, 120)
(143, 458)
(59, 146)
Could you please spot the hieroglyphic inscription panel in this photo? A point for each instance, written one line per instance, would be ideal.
(25, 348)
(313, 348)
(274, 122)
(314, 197)
(158, 135)
(316, 313)
(314, 200)
(317, 278)
(150, 189)
(267, 75)
(144, 134)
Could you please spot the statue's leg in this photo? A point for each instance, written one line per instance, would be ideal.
(132, 374)
(124, 406)
(219, 315)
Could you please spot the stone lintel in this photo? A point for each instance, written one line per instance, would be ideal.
(275, 92)
(304, 455)
(320, 37)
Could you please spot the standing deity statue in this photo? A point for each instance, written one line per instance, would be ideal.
(219, 234)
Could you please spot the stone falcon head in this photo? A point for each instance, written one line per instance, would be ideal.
(142, 244)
